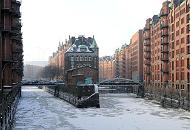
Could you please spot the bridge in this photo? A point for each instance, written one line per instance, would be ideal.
(121, 85)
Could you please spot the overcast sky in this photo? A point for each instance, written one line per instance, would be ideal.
(112, 22)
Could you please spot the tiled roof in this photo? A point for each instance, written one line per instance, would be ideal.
(82, 44)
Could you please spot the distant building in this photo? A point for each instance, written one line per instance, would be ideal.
(128, 60)
(136, 56)
(106, 68)
(120, 63)
(57, 59)
(82, 62)
(32, 72)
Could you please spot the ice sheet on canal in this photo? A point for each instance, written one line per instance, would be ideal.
(39, 110)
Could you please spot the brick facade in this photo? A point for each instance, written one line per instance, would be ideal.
(166, 50)
(106, 68)
(11, 48)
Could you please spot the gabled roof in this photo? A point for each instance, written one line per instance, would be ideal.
(82, 44)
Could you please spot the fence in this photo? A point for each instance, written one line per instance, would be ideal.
(8, 103)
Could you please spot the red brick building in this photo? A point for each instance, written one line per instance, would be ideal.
(106, 68)
(166, 50)
(57, 59)
(136, 56)
(128, 60)
(82, 61)
(11, 48)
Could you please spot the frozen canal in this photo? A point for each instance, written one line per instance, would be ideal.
(39, 110)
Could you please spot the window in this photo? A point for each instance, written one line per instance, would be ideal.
(188, 77)
(172, 77)
(172, 36)
(177, 24)
(177, 76)
(182, 30)
(188, 39)
(177, 15)
(182, 50)
(77, 58)
(81, 58)
(182, 87)
(182, 20)
(72, 58)
(89, 58)
(177, 63)
(172, 65)
(172, 45)
(177, 52)
(177, 42)
(182, 40)
(182, 11)
(188, 49)
(95, 63)
(182, 62)
(172, 27)
(187, 29)
(177, 33)
(182, 75)
(85, 59)
(187, 18)
(172, 54)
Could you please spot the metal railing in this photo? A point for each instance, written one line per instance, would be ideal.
(8, 102)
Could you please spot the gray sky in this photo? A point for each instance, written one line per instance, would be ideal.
(113, 22)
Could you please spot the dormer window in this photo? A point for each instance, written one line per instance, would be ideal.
(89, 58)
(77, 58)
(72, 58)
(85, 58)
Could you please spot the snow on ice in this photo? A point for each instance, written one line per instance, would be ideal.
(38, 110)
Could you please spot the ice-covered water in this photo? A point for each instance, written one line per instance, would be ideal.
(39, 110)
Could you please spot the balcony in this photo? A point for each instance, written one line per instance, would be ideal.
(147, 72)
(163, 25)
(147, 56)
(16, 2)
(16, 11)
(164, 50)
(7, 60)
(146, 28)
(165, 70)
(164, 42)
(147, 62)
(146, 43)
(164, 34)
(146, 38)
(147, 50)
(16, 25)
(165, 59)
(18, 50)
(16, 37)
(15, 32)
(163, 14)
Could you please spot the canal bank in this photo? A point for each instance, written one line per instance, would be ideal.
(76, 98)
(170, 101)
